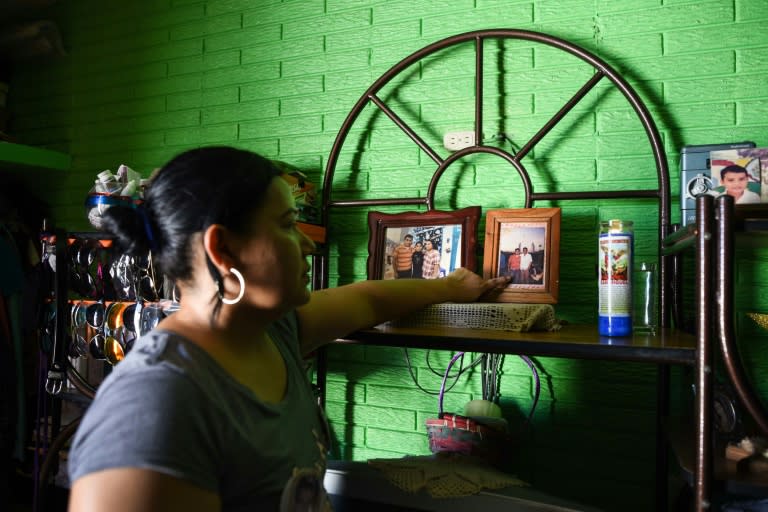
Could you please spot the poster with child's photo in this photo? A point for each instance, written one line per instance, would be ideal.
(740, 173)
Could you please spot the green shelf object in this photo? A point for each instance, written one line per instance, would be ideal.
(14, 155)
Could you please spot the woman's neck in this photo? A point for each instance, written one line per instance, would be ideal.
(237, 326)
(243, 349)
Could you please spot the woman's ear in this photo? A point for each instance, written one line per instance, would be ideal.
(216, 245)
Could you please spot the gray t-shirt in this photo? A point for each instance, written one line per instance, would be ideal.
(169, 407)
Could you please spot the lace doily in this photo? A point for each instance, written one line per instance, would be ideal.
(444, 475)
(495, 316)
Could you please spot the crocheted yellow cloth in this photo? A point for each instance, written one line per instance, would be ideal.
(444, 475)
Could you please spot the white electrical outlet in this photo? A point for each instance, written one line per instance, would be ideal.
(458, 140)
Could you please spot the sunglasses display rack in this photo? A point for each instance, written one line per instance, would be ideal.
(98, 301)
(110, 299)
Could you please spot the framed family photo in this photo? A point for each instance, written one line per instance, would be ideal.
(524, 243)
(421, 245)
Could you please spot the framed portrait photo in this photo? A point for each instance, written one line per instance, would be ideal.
(422, 245)
(524, 243)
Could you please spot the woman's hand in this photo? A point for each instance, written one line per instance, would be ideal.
(334, 312)
(466, 286)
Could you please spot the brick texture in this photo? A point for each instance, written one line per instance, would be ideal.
(150, 78)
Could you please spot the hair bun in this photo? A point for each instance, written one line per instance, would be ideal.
(96, 204)
(128, 224)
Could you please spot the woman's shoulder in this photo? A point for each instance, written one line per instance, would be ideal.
(162, 347)
(159, 360)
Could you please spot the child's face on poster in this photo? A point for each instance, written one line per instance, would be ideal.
(735, 183)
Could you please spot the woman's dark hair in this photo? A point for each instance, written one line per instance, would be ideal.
(197, 188)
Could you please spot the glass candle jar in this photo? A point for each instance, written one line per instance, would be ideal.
(615, 247)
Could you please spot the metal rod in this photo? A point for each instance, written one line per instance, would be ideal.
(478, 90)
(382, 202)
(688, 231)
(676, 290)
(407, 129)
(560, 114)
(703, 453)
(683, 243)
(522, 172)
(595, 194)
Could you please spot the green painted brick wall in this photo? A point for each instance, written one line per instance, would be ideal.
(144, 80)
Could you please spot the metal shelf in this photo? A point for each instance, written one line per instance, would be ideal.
(579, 341)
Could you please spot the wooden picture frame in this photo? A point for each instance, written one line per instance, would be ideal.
(453, 234)
(532, 231)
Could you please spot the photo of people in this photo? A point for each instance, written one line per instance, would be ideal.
(740, 173)
(421, 252)
(524, 244)
(522, 253)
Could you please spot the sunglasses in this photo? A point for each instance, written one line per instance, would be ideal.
(89, 262)
(147, 286)
(78, 336)
(94, 318)
(108, 332)
(114, 342)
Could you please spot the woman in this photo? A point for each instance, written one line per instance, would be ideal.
(431, 263)
(212, 410)
(417, 260)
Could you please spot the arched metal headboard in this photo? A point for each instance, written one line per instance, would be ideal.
(602, 70)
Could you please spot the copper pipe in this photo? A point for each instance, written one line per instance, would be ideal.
(703, 454)
(726, 332)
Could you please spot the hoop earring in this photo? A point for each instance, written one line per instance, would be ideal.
(240, 279)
